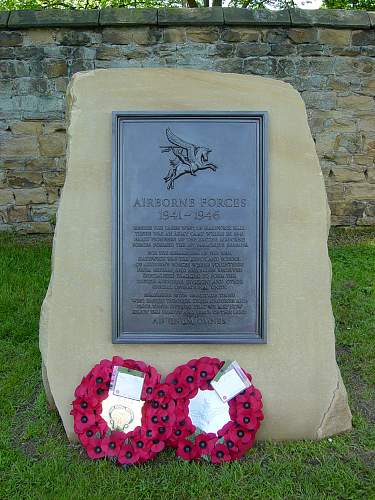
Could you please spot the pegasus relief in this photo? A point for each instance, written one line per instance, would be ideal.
(187, 158)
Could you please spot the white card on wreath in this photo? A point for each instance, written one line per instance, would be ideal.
(128, 383)
(230, 381)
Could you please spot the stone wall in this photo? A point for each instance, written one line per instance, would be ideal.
(327, 55)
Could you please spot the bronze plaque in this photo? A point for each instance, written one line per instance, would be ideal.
(189, 227)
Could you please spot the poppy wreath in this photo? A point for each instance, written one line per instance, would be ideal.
(235, 438)
(125, 448)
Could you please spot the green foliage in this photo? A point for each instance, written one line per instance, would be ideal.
(264, 4)
(251, 4)
(350, 4)
(36, 460)
(101, 4)
(84, 4)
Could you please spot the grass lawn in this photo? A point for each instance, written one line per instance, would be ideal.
(36, 460)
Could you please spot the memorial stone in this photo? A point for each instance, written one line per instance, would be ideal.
(296, 370)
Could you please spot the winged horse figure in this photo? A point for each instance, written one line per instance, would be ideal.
(188, 158)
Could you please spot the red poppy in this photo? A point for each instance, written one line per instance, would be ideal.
(152, 378)
(151, 432)
(135, 365)
(182, 410)
(180, 390)
(82, 404)
(165, 411)
(102, 424)
(89, 435)
(164, 432)
(205, 373)
(104, 366)
(192, 363)
(157, 446)
(159, 421)
(249, 422)
(101, 373)
(226, 428)
(117, 361)
(204, 443)
(98, 408)
(243, 396)
(153, 440)
(251, 395)
(84, 421)
(210, 361)
(237, 439)
(233, 411)
(154, 375)
(255, 392)
(255, 403)
(164, 417)
(186, 450)
(242, 438)
(112, 443)
(242, 416)
(180, 431)
(161, 393)
(182, 414)
(156, 414)
(244, 409)
(128, 455)
(220, 454)
(142, 444)
(188, 377)
(81, 390)
(94, 449)
(172, 378)
(244, 447)
(98, 391)
(234, 451)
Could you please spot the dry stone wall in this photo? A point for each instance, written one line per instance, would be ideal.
(327, 55)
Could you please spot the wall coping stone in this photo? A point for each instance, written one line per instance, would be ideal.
(330, 17)
(127, 17)
(256, 17)
(333, 18)
(182, 17)
(4, 16)
(53, 18)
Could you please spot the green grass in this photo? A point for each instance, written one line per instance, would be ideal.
(36, 460)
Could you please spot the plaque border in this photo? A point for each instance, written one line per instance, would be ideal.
(117, 213)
